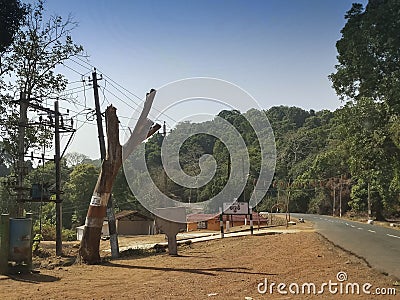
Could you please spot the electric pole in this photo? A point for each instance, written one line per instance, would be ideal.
(26, 103)
(23, 120)
(58, 179)
(369, 202)
(164, 129)
(98, 116)
(340, 196)
(334, 199)
(112, 228)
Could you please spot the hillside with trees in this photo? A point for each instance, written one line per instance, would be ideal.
(324, 159)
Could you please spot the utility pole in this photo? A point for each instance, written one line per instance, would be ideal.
(340, 196)
(23, 120)
(288, 200)
(58, 180)
(164, 129)
(98, 116)
(277, 200)
(334, 199)
(112, 228)
(369, 202)
(26, 103)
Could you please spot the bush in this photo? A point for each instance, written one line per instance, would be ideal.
(49, 232)
(68, 235)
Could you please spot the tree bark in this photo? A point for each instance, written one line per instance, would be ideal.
(89, 247)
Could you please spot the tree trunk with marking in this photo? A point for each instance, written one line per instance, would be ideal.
(89, 248)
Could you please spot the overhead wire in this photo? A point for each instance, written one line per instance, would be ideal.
(126, 90)
(72, 69)
(108, 81)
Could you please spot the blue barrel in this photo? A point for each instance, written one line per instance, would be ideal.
(20, 239)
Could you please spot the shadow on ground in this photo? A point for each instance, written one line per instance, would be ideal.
(207, 271)
(34, 278)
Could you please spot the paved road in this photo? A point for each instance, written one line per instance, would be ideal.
(379, 246)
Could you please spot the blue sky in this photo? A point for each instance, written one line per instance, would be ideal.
(281, 52)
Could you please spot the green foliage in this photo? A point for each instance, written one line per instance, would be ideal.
(37, 48)
(78, 191)
(48, 233)
(319, 155)
(68, 235)
(369, 54)
(36, 242)
(12, 14)
(367, 78)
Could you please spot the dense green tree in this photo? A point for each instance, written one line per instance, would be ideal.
(12, 14)
(367, 78)
(78, 189)
(374, 159)
(369, 54)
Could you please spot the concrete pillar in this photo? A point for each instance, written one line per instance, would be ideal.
(171, 228)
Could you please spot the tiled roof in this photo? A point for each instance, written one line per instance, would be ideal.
(127, 213)
(202, 217)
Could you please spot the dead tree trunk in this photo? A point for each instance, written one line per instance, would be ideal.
(89, 247)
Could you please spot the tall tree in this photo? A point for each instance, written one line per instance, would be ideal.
(74, 158)
(12, 14)
(369, 54)
(365, 127)
(367, 77)
(38, 48)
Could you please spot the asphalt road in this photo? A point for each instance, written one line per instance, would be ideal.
(379, 246)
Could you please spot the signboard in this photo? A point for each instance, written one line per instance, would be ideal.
(236, 208)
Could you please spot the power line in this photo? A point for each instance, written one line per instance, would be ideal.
(72, 69)
(73, 82)
(126, 90)
(74, 88)
(71, 59)
(123, 101)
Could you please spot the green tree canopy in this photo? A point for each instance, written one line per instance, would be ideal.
(12, 14)
(369, 54)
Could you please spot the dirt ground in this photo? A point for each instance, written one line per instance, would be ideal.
(232, 268)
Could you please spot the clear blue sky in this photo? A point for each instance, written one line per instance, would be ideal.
(281, 52)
